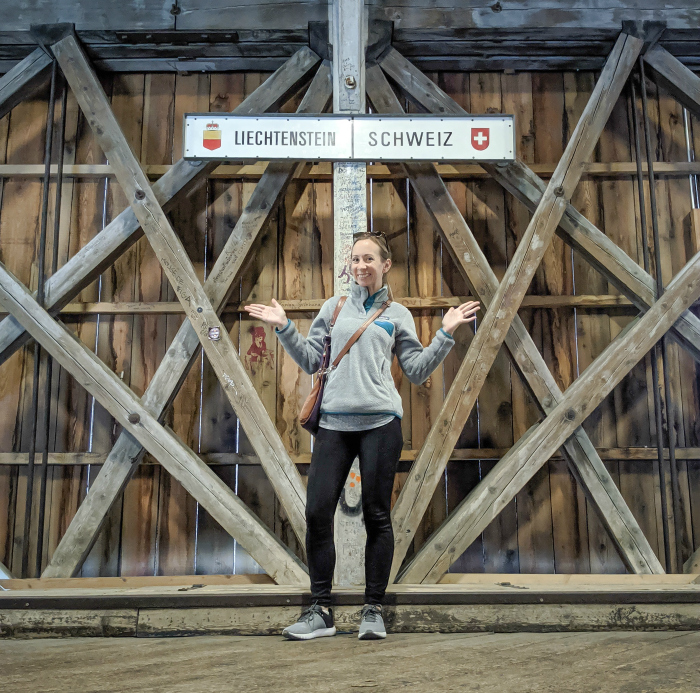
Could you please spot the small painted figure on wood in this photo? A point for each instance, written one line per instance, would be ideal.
(258, 354)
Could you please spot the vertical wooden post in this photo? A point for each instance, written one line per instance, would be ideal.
(348, 33)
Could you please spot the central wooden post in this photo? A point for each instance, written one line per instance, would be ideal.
(348, 34)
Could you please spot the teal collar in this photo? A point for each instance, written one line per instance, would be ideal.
(360, 296)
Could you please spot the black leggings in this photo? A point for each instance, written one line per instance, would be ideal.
(379, 450)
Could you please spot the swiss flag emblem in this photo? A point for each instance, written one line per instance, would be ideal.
(480, 138)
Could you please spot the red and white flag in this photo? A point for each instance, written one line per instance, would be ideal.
(480, 138)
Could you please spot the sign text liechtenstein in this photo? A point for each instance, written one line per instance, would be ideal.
(347, 138)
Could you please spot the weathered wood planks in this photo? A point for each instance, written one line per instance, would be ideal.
(530, 452)
(107, 246)
(128, 410)
(576, 230)
(179, 355)
(462, 244)
(494, 328)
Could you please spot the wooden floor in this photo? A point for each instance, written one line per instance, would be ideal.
(425, 663)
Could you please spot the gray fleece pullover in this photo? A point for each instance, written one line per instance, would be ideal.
(361, 389)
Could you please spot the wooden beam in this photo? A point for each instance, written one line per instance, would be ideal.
(519, 179)
(529, 454)
(695, 229)
(227, 459)
(692, 565)
(493, 330)
(314, 304)
(675, 77)
(105, 584)
(579, 450)
(323, 170)
(124, 230)
(348, 35)
(23, 80)
(178, 268)
(122, 460)
(529, 17)
(109, 390)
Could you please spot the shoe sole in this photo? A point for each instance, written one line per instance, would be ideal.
(320, 633)
(372, 635)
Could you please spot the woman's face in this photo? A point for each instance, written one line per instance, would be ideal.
(367, 266)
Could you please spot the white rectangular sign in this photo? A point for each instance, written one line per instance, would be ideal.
(223, 136)
(434, 139)
(216, 136)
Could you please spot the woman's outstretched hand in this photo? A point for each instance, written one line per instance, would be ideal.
(273, 315)
(457, 316)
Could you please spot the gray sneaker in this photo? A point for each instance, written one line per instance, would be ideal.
(372, 624)
(314, 622)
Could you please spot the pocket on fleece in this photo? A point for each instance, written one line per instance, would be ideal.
(385, 325)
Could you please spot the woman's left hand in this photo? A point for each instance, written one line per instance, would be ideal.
(457, 316)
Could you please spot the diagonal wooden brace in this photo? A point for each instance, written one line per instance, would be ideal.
(520, 464)
(440, 442)
(675, 77)
(87, 264)
(5, 573)
(127, 452)
(161, 442)
(615, 265)
(579, 450)
(216, 342)
(23, 80)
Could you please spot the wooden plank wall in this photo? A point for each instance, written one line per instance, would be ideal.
(156, 528)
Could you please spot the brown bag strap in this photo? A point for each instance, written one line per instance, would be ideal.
(336, 312)
(359, 332)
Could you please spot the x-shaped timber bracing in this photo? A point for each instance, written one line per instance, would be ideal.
(615, 265)
(463, 393)
(119, 466)
(517, 178)
(470, 259)
(281, 564)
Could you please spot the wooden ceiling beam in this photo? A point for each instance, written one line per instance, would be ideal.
(675, 77)
(210, 15)
(23, 80)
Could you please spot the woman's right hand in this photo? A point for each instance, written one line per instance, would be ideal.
(273, 314)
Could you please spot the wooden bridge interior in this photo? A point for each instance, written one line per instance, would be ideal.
(559, 440)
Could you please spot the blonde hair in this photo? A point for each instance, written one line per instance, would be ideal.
(380, 241)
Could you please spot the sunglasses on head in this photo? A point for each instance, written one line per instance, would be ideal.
(376, 234)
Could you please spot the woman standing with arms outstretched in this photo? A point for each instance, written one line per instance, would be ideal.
(360, 416)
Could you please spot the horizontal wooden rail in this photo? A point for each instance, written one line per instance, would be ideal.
(309, 305)
(324, 170)
(223, 459)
